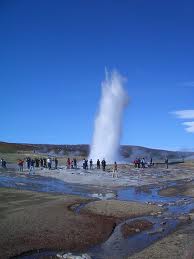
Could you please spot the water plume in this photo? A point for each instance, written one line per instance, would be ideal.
(108, 123)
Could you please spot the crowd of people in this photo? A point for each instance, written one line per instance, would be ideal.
(142, 163)
(31, 163)
(52, 163)
(98, 164)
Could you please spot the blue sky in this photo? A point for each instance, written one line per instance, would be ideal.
(52, 60)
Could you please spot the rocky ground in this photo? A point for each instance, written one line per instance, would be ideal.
(32, 220)
(179, 245)
(127, 175)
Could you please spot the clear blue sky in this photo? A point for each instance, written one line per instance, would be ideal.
(52, 60)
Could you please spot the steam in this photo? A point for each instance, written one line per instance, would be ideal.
(108, 123)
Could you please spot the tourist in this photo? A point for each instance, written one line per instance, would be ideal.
(56, 163)
(91, 164)
(98, 164)
(28, 162)
(49, 163)
(75, 163)
(103, 164)
(84, 164)
(44, 162)
(166, 162)
(68, 163)
(41, 163)
(37, 161)
(143, 162)
(21, 165)
(3, 163)
(115, 172)
(138, 162)
(71, 164)
(32, 162)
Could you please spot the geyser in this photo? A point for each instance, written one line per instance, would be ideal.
(108, 123)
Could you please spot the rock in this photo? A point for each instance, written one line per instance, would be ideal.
(71, 256)
(159, 230)
(184, 218)
(191, 215)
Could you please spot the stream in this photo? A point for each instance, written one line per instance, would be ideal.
(116, 244)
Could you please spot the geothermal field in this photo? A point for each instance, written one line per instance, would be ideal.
(139, 205)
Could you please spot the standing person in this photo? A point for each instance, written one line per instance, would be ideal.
(91, 164)
(103, 164)
(75, 163)
(41, 163)
(28, 162)
(84, 164)
(56, 162)
(44, 162)
(138, 162)
(143, 162)
(37, 161)
(87, 164)
(3, 163)
(115, 172)
(68, 163)
(166, 162)
(71, 164)
(21, 165)
(49, 163)
(151, 161)
(98, 164)
(32, 162)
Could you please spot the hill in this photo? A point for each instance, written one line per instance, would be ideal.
(126, 151)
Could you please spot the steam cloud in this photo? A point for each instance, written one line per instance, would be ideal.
(108, 123)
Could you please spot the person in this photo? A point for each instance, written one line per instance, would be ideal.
(138, 162)
(166, 162)
(115, 172)
(68, 163)
(91, 164)
(49, 163)
(3, 163)
(84, 164)
(135, 163)
(103, 164)
(28, 162)
(143, 162)
(75, 163)
(21, 165)
(151, 161)
(98, 164)
(56, 162)
(32, 162)
(44, 162)
(71, 164)
(37, 161)
(41, 163)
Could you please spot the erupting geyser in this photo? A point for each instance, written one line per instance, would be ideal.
(108, 123)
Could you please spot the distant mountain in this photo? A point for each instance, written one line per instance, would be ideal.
(128, 152)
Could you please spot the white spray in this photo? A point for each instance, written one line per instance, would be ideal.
(108, 123)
